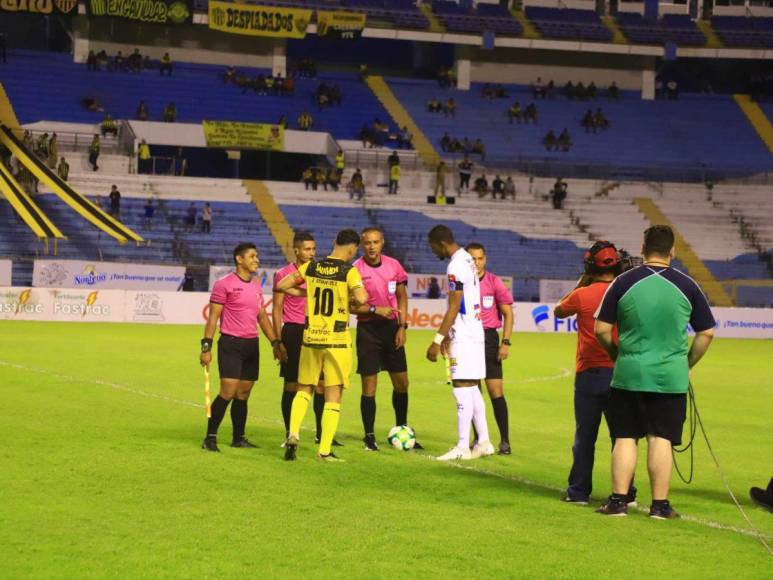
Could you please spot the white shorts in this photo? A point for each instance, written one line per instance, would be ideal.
(468, 360)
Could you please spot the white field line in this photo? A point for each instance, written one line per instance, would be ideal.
(514, 478)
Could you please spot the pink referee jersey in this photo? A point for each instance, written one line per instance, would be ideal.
(241, 303)
(294, 307)
(493, 293)
(381, 283)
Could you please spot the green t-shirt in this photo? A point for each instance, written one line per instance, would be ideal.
(652, 306)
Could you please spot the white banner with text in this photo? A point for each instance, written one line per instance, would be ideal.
(106, 275)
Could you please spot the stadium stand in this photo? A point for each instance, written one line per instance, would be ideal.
(568, 23)
(485, 17)
(744, 31)
(676, 28)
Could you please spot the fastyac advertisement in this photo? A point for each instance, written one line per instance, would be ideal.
(5, 272)
(105, 275)
(158, 307)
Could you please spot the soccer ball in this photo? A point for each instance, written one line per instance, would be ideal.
(402, 437)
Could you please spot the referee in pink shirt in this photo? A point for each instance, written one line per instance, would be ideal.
(381, 326)
(237, 302)
(497, 312)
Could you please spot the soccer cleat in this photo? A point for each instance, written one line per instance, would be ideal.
(575, 500)
(664, 512)
(455, 454)
(761, 497)
(630, 500)
(291, 448)
(210, 444)
(418, 446)
(244, 443)
(370, 442)
(504, 448)
(336, 443)
(613, 507)
(482, 449)
(329, 458)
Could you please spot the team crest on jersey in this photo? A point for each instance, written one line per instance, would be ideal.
(451, 282)
(488, 302)
(392, 286)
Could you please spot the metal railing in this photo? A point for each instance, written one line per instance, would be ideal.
(80, 141)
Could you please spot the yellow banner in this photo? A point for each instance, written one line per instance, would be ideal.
(258, 20)
(235, 135)
(340, 24)
(38, 6)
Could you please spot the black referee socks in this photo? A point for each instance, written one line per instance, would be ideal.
(287, 405)
(319, 407)
(400, 404)
(500, 414)
(239, 418)
(368, 412)
(217, 410)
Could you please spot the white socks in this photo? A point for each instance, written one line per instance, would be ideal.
(465, 407)
(479, 415)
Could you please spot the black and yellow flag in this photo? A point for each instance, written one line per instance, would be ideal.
(27, 209)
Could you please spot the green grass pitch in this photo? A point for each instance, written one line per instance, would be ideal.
(102, 475)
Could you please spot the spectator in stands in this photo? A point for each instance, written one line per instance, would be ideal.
(538, 90)
(580, 92)
(63, 169)
(550, 141)
(393, 159)
(613, 93)
(92, 104)
(27, 140)
(322, 100)
(142, 112)
(135, 61)
(600, 121)
(405, 138)
(445, 142)
(497, 188)
(53, 151)
(466, 146)
(509, 189)
(206, 218)
(514, 112)
(229, 76)
(456, 146)
(487, 92)
(91, 61)
(333, 179)
(588, 122)
(591, 91)
(569, 91)
(115, 202)
(440, 179)
(147, 64)
(305, 121)
(499, 92)
(119, 62)
(109, 126)
(564, 141)
(143, 158)
(481, 186)
(479, 149)
(530, 114)
(321, 176)
(672, 90)
(308, 179)
(558, 193)
(42, 146)
(450, 108)
(366, 135)
(394, 179)
(102, 58)
(170, 112)
(190, 217)
(94, 148)
(465, 172)
(341, 162)
(149, 211)
(357, 185)
(166, 65)
(433, 288)
(433, 105)
(288, 87)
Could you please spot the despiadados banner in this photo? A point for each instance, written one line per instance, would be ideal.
(105, 275)
(159, 307)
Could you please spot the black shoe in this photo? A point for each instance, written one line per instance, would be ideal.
(418, 446)
(291, 448)
(329, 458)
(244, 443)
(504, 448)
(630, 500)
(210, 444)
(576, 500)
(370, 442)
(336, 443)
(761, 498)
(663, 512)
(613, 507)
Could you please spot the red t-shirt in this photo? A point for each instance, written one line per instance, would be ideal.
(584, 302)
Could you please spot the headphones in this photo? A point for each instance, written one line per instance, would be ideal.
(601, 257)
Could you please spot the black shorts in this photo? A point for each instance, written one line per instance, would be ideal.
(238, 358)
(636, 414)
(493, 364)
(292, 337)
(376, 348)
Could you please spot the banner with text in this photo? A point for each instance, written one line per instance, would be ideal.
(236, 135)
(419, 285)
(345, 25)
(276, 21)
(6, 267)
(64, 304)
(98, 275)
(155, 11)
(265, 275)
(39, 6)
(552, 291)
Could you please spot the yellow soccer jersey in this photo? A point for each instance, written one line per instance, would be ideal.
(328, 284)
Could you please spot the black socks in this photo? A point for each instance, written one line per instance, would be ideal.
(500, 414)
(368, 411)
(217, 410)
(287, 405)
(400, 404)
(319, 407)
(238, 418)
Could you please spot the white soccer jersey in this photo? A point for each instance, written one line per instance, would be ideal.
(463, 275)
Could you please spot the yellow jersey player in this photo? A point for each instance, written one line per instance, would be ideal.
(332, 285)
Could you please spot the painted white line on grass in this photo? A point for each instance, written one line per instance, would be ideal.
(557, 377)
(515, 478)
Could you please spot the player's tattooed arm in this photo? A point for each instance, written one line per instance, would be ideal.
(290, 281)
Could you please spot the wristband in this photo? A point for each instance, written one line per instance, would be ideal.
(506, 341)
(372, 309)
(206, 344)
(439, 338)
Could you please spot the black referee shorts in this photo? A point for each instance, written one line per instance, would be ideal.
(292, 338)
(493, 364)
(376, 348)
(636, 414)
(238, 358)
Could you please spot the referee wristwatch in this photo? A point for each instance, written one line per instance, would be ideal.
(372, 309)
(206, 344)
